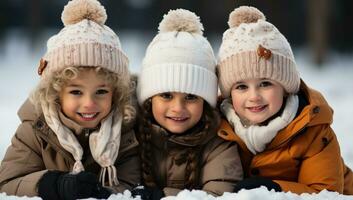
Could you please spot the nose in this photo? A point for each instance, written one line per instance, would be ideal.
(178, 105)
(254, 95)
(89, 102)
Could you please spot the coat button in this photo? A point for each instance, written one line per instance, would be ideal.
(316, 109)
(40, 124)
(255, 171)
(325, 141)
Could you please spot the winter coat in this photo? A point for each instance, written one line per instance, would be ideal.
(35, 149)
(219, 170)
(304, 157)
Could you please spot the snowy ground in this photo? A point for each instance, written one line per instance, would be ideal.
(18, 75)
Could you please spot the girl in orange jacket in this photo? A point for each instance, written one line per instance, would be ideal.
(282, 127)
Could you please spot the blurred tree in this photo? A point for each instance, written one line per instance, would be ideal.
(318, 28)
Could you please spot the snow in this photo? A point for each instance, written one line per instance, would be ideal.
(19, 58)
(254, 194)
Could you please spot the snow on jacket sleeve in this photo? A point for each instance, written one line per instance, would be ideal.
(22, 166)
(321, 167)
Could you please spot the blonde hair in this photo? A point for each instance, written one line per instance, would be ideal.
(49, 89)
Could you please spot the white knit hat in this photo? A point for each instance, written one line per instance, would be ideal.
(179, 59)
(84, 41)
(254, 48)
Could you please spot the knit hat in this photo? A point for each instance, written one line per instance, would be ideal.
(84, 41)
(254, 48)
(179, 59)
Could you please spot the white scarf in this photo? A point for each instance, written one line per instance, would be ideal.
(104, 143)
(257, 137)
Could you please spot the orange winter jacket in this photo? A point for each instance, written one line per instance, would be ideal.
(304, 157)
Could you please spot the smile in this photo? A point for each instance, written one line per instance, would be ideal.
(178, 119)
(257, 108)
(88, 116)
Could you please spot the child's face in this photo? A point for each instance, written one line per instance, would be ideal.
(86, 99)
(177, 112)
(256, 100)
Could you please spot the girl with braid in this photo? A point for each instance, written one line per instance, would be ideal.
(177, 92)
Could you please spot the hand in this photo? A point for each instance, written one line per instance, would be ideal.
(255, 182)
(147, 193)
(66, 186)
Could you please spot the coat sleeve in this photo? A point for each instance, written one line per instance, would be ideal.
(222, 168)
(22, 166)
(128, 163)
(321, 167)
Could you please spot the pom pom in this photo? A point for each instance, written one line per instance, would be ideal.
(244, 14)
(181, 20)
(78, 10)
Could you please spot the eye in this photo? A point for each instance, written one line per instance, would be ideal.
(75, 92)
(191, 97)
(102, 91)
(166, 95)
(241, 87)
(265, 84)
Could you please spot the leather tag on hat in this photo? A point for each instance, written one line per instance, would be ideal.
(263, 52)
(42, 65)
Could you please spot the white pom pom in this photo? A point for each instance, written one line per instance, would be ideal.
(78, 10)
(244, 14)
(181, 20)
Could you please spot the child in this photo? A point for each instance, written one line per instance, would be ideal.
(177, 90)
(281, 126)
(83, 125)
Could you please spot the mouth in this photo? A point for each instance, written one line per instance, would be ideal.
(178, 119)
(88, 116)
(257, 108)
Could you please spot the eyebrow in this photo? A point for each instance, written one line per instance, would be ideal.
(77, 85)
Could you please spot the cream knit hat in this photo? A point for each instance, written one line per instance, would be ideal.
(84, 41)
(254, 48)
(179, 59)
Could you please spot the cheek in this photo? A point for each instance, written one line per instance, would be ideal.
(157, 111)
(236, 99)
(197, 111)
(277, 103)
(236, 103)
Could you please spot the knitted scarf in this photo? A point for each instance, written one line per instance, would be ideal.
(257, 137)
(104, 143)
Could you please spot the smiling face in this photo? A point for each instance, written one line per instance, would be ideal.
(256, 100)
(177, 112)
(86, 99)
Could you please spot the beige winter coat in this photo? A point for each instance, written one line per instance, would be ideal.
(35, 149)
(220, 167)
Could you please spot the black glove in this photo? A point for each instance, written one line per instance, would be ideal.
(147, 193)
(255, 182)
(55, 185)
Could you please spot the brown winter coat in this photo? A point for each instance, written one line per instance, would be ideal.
(35, 149)
(220, 168)
(305, 156)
